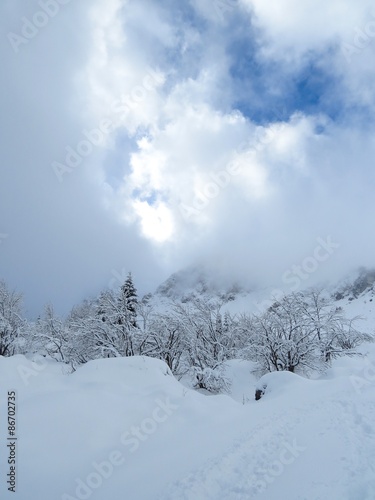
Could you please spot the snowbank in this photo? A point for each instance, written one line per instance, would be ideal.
(125, 428)
(277, 383)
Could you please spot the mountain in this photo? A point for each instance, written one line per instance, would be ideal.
(354, 292)
(357, 285)
(356, 295)
(199, 282)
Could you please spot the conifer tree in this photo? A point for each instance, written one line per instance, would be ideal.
(129, 299)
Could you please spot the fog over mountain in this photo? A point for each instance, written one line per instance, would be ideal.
(354, 290)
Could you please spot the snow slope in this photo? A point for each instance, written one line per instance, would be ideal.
(125, 428)
(306, 440)
(355, 293)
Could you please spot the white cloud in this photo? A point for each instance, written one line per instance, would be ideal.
(337, 36)
(156, 220)
(308, 25)
(194, 178)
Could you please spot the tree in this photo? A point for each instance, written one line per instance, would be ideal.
(145, 310)
(281, 339)
(129, 300)
(112, 326)
(207, 346)
(301, 330)
(11, 321)
(165, 340)
(337, 335)
(106, 326)
(53, 335)
(81, 324)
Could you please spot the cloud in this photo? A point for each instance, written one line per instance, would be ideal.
(307, 26)
(182, 135)
(62, 243)
(336, 36)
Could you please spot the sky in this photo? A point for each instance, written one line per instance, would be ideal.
(146, 136)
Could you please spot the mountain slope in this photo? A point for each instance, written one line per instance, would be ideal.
(355, 293)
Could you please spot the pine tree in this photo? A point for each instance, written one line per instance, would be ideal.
(129, 300)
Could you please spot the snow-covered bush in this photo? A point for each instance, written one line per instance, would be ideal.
(301, 330)
(210, 379)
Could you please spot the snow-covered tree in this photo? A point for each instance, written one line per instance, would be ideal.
(301, 330)
(129, 301)
(11, 321)
(145, 311)
(165, 339)
(112, 326)
(51, 336)
(337, 334)
(207, 346)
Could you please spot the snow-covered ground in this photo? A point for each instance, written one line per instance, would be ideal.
(126, 429)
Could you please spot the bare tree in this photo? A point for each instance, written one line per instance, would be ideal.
(301, 330)
(11, 321)
(165, 340)
(207, 344)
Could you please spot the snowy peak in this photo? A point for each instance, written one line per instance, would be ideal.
(197, 282)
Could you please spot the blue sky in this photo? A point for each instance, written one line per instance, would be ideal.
(236, 131)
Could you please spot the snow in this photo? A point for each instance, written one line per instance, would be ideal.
(304, 440)
(278, 382)
(312, 440)
(126, 428)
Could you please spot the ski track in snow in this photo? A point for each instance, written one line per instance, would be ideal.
(244, 472)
